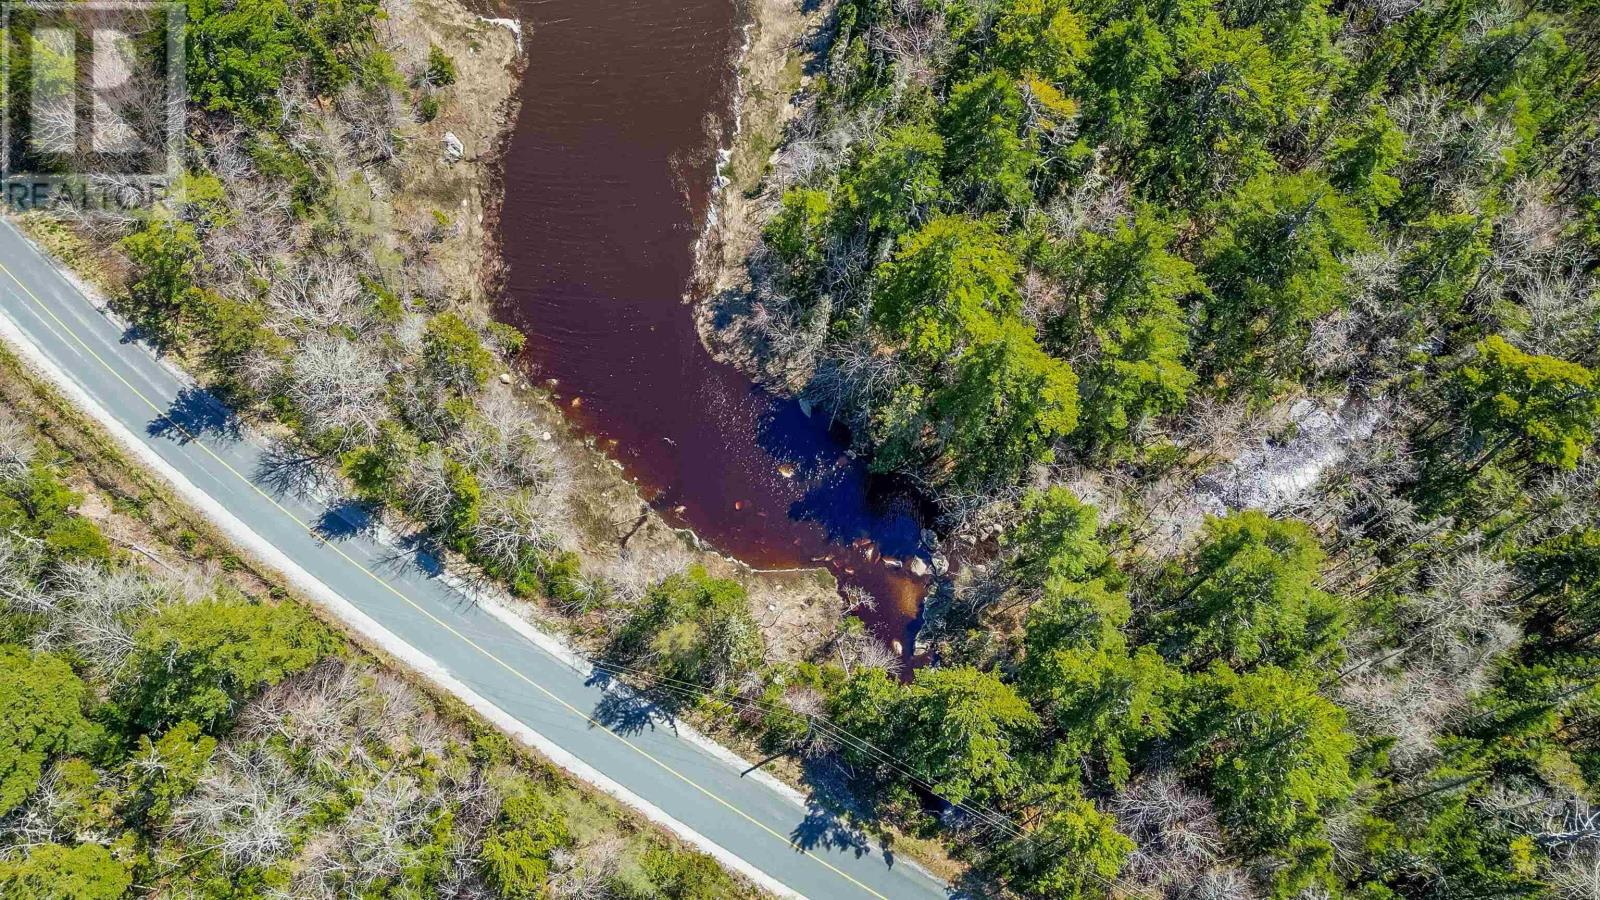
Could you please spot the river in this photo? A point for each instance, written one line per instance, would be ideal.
(608, 180)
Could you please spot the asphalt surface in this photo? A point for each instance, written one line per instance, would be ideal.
(801, 848)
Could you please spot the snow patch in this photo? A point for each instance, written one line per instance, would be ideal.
(1272, 476)
(453, 148)
(511, 25)
(720, 178)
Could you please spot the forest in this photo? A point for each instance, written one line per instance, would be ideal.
(1249, 349)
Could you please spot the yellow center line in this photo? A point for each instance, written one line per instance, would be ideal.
(413, 604)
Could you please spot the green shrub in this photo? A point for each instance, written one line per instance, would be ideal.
(76, 538)
(165, 769)
(165, 257)
(39, 505)
(198, 661)
(385, 302)
(466, 501)
(428, 107)
(441, 71)
(231, 329)
(82, 801)
(679, 875)
(693, 627)
(276, 159)
(562, 577)
(508, 339)
(56, 872)
(453, 355)
(516, 852)
(376, 469)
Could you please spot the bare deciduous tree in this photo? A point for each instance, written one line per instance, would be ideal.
(859, 648)
(512, 526)
(16, 449)
(339, 389)
(504, 446)
(21, 561)
(1463, 615)
(316, 294)
(1175, 830)
(246, 807)
(1562, 310)
(425, 489)
(372, 118)
(855, 374)
(1451, 152)
(588, 873)
(1409, 705)
(101, 604)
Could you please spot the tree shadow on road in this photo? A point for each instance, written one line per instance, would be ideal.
(346, 519)
(624, 710)
(192, 415)
(413, 551)
(823, 826)
(286, 471)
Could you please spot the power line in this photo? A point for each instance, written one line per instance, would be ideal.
(987, 816)
(829, 729)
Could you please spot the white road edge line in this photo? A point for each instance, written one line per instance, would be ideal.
(368, 627)
(494, 600)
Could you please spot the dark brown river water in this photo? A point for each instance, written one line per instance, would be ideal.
(608, 180)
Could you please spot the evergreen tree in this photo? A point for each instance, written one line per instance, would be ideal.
(1274, 264)
(1274, 753)
(1543, 410)
(987, 160)
(1056, 538)
(892, 190)
(197, 661)
(1100, 698)
(1251, 598)
(42, 707)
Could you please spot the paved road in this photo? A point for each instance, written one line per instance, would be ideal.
(797, 847)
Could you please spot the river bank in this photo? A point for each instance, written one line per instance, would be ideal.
(616, 534)
(610, 185)
(785, 44)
